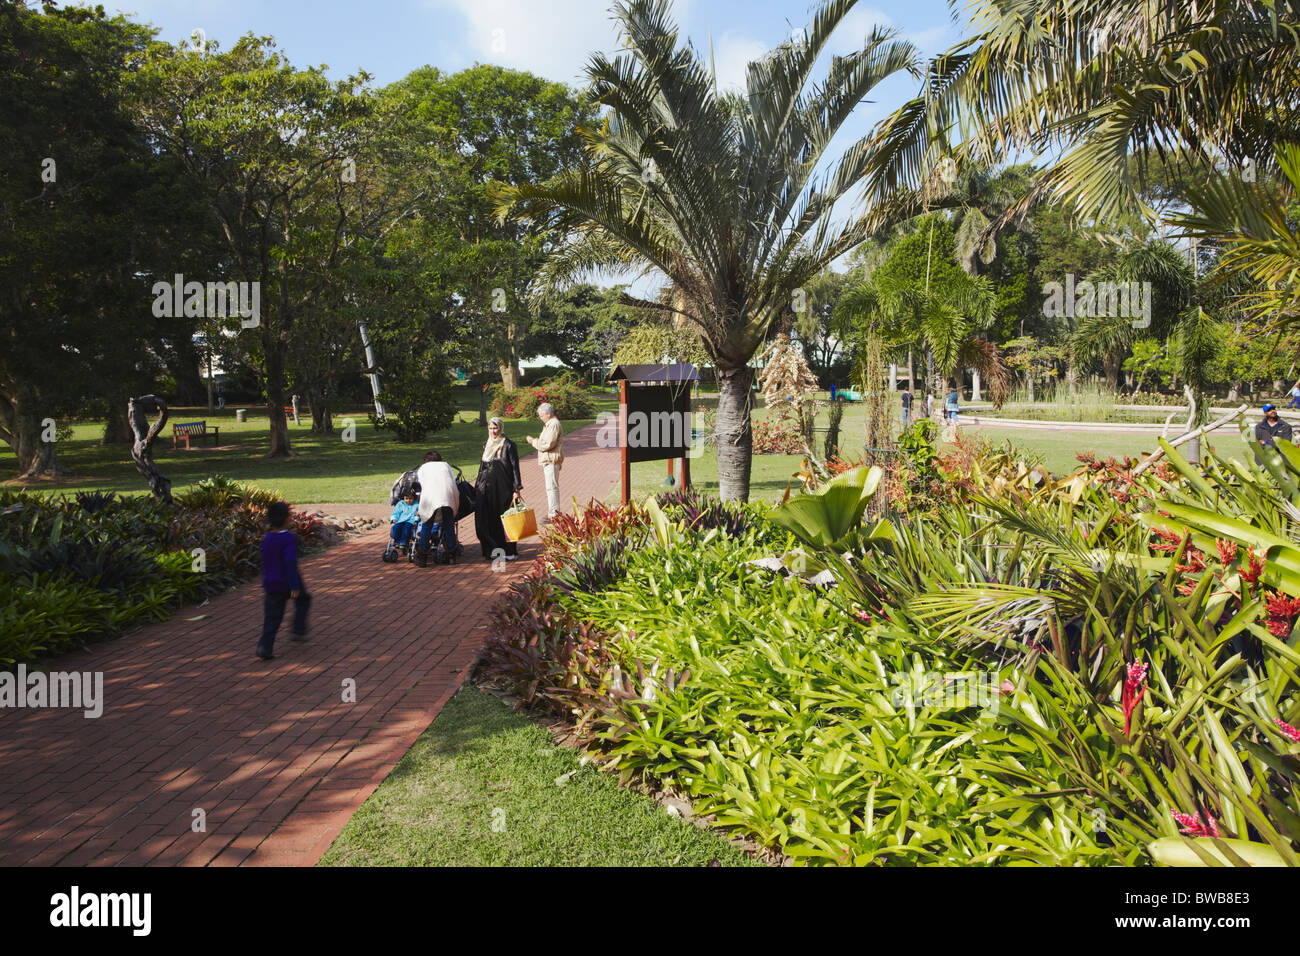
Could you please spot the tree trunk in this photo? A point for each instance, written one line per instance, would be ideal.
(26, 432)
(184, 365)
(911, 381)
(322, 421)
(117, 426)
(275, 395)
(509, 375)
(734, 433)
(1111, 366)
(975, 385)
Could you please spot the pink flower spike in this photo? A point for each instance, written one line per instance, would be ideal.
(1287, 730)
(1006, 689)
(1192, 825)
(1134, 690)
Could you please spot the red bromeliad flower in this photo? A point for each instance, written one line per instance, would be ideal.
(1253, 568)
(1169, 541)
(1192, 825)
(1135, 681)
(1227, 551)
(1282, 612)
(1287, 730)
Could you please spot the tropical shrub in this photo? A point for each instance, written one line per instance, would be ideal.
(566, 392)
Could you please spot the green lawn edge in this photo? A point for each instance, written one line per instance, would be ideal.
(484, 786)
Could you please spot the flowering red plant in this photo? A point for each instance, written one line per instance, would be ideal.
(1135, 689)
(1192, 825)
(1282, 612)
(1287, 730)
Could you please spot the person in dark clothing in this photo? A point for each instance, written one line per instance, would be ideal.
(281, 580)
(907, 407)
(498, 483)
(1271, 428)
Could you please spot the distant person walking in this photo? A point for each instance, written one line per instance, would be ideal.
(907, 407)
(550, 452)
(950, 406)
(1295, 396)
(1271, 428)
(281, 580)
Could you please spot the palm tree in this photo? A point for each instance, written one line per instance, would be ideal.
(943, 319)
(1195, 336)
(1254, 223)
(1106, 83)
(721, 196)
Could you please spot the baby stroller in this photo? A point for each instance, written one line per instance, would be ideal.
(445, 542)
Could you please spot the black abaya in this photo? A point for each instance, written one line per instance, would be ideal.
(495, 488)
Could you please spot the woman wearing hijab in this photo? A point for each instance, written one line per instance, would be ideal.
(498, 484)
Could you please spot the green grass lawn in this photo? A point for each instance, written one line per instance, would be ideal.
(486, 787)
(325, 468)
(770, 473)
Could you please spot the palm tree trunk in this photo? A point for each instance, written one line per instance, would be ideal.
(734, 432)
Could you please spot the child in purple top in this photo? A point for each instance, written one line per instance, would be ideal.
(281, 581)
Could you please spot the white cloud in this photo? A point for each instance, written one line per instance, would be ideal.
(552, 39)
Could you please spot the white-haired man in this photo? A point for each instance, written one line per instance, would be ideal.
(550, 452)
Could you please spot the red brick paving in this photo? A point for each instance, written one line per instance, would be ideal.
(268, 750)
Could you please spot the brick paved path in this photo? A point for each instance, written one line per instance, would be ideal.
(268, 750)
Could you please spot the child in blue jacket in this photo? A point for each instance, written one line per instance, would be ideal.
(281, 580)
(406, 516)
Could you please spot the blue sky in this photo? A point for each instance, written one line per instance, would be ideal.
(553, 38)
(389, 38)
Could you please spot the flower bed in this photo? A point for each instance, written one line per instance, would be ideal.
(73, 570)
(1099, 670)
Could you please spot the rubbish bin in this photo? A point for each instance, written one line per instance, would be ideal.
(241, 414)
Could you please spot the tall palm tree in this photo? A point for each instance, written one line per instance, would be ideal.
(725, 197)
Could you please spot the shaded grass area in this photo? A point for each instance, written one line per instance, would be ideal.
(325, 467)
(479, 788)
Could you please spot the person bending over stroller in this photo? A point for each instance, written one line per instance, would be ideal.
(405, 519)
(439, 499)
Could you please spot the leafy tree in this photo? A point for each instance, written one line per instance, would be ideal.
(271, 146)
(497, 125)
(71, 244)
(824, 336)
(581, 325)
(1106, 337)
(717, 195)
(920, 298)
(1108, 83)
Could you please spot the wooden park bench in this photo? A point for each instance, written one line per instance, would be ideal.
(188, 430)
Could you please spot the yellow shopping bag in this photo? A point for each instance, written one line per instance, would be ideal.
(519, 523)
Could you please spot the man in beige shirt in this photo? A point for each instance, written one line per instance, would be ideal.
(550, 452)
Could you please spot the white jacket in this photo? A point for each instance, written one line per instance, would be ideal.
(437, 488)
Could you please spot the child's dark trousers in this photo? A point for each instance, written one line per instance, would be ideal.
(273, 613)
